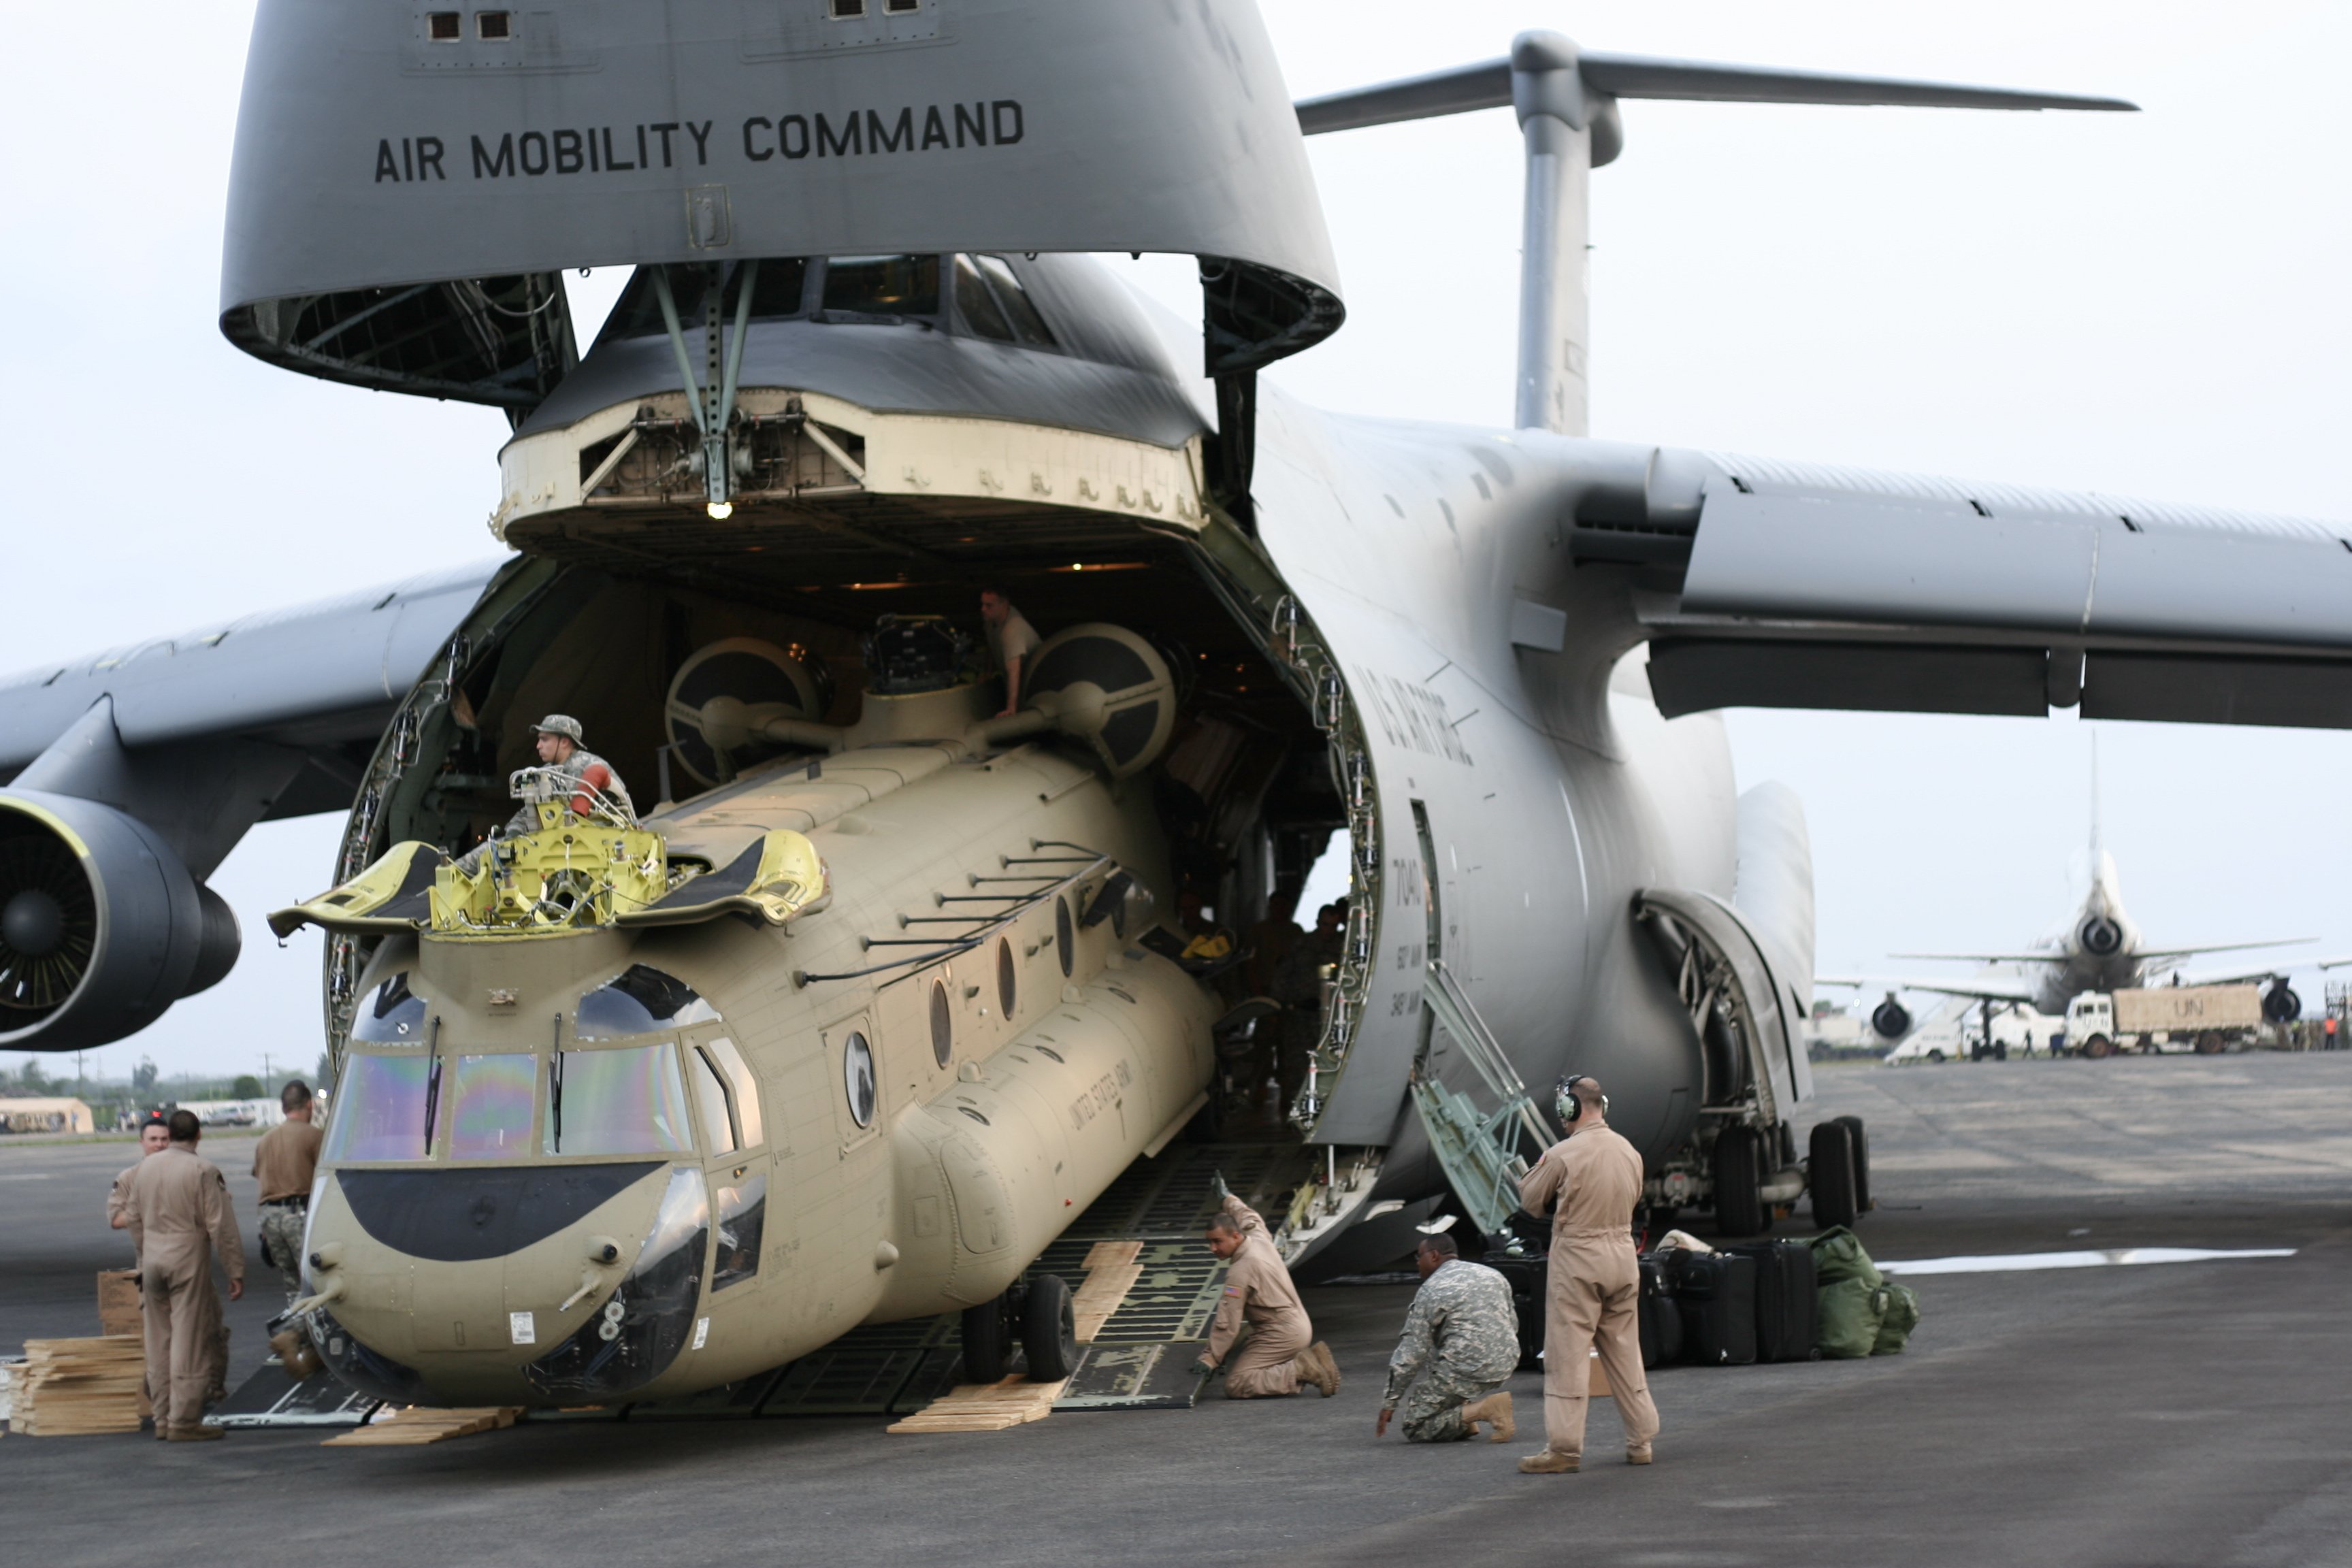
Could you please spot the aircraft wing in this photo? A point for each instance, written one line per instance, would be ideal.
(1981, 957)
(1981, 990)
(1781, 585)
(319, 680)
(2154, 953)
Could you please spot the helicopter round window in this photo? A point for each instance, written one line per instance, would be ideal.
(857, 1078)
(942, 1024)
(1006, 995)
(1064, 936)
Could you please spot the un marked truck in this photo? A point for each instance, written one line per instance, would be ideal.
(2208, 1019)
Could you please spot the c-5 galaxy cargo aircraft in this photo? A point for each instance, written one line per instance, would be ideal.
(849, 1025)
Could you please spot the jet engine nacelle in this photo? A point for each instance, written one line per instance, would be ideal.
(1891, 1019)
(102, 926)
(2280, 1005)
(2102, 937)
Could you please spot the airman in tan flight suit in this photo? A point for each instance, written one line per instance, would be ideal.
(154, 1137)
(1281, 1352)
(1590, 1183)
(179, 1216)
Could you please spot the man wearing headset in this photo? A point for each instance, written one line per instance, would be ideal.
(1589, 1182)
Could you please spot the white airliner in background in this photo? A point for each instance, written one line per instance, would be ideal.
(2100, 949)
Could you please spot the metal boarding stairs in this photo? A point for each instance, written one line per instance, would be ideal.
(1483, 1153)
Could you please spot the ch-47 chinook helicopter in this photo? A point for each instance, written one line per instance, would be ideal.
(849, 1025)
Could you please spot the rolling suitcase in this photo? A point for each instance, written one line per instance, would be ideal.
(1661, 1319)
(1786, 1299)
(1717, 1293)
(1529, 1276)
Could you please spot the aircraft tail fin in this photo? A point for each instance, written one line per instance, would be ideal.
(1567, 104)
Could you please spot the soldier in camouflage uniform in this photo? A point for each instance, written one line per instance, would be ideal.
(561, 751)
(558, 740)
(1461, 1345)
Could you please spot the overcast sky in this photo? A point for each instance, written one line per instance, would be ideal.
(2150, 304)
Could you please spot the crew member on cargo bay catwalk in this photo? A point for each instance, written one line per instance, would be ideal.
(180, 1217)
(1282, 1351)
(1010, 640)
(284, 1161)
(1589, 1182)
(1461, 1345)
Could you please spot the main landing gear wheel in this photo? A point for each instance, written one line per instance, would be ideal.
(1830, 1174)
(1739, 1181)
(1049, 1330)
(1861, 1141)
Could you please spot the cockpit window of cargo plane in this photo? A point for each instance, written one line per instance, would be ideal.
(641, 1001)
(383, 1108)
(882, 285)
(392, 1016)
(626, 1101)
(994, 305)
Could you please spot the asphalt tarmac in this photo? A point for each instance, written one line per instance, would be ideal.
(2189, 1414)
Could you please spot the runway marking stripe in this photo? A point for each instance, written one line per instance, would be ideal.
(2001, 1263)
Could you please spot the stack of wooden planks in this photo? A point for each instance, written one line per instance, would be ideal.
(418, 1424)
(71, 1388)
(983, 1407)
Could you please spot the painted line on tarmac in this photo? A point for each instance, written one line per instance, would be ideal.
(2002, 1263)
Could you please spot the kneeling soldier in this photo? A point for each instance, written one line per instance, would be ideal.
(1282, 1351)
(1461, 1345)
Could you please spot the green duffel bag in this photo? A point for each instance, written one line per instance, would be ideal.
(1902, 1317)
(1838, 1255)
(1851, 1314)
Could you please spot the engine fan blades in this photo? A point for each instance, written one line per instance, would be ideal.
(48, 925)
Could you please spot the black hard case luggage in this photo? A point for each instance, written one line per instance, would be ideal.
(1717, 1292)
(1660, 1316)
(1529, 1276)
(1786, 1299)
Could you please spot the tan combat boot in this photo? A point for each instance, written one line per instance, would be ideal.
(1314, 1364)
(1640, 1456)
(1550, 1462)
(194, 1435)
(1495, 1410)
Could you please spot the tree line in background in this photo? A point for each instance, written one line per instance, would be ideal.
(145, 1087)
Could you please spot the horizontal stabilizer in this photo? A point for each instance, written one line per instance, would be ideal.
(1644, 76)
(1487, 85)
(2152, 953)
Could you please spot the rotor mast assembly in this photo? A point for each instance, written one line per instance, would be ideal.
(1566, 99)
